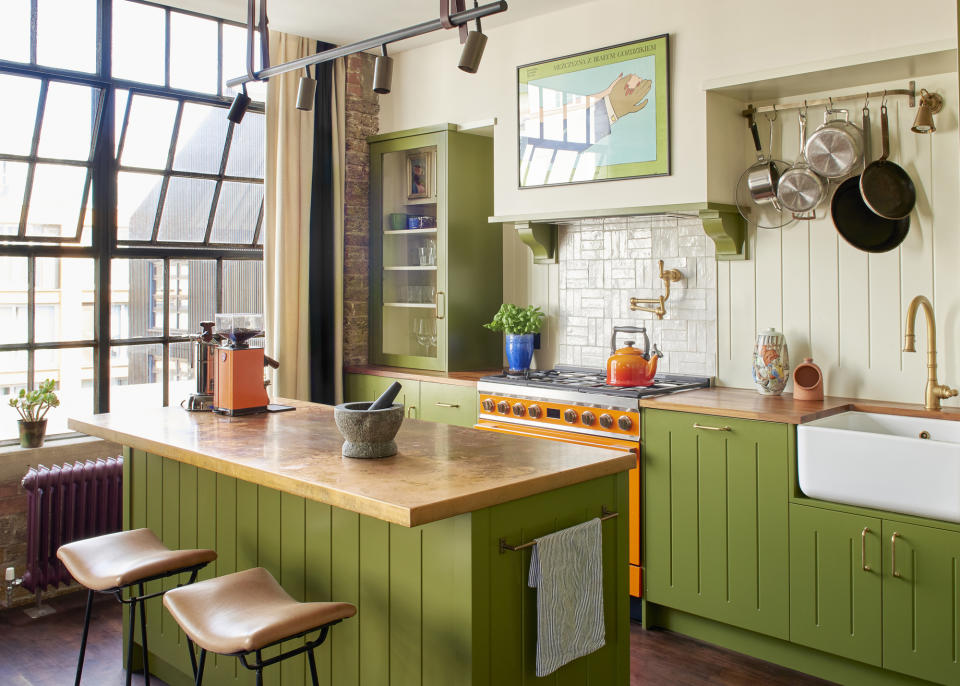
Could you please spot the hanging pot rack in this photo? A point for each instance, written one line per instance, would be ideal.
(910, 91)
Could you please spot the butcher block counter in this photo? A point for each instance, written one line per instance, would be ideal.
(412, 540)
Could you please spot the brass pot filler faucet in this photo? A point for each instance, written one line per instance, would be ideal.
(935, 391)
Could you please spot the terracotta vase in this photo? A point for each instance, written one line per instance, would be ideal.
(771, 362)
(32, 433)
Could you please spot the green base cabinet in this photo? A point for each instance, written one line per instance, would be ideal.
(835, 582)
(433, 402)
(715, 535)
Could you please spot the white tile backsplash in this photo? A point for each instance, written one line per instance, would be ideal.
(605, 262)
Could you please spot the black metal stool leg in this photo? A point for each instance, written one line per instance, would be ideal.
(143, 635)
(83, 639)
(313, 668)
(193, 658)
(203, 661)
(259, 668)
(133, 623)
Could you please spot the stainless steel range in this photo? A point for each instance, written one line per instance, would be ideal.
(575, 405)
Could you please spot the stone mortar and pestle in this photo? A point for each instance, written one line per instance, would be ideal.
(369, 428)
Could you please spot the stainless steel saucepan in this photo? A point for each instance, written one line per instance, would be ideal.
(763, 176)
(836, 147)
(800, 189)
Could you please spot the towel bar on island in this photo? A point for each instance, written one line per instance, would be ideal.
(605, 514)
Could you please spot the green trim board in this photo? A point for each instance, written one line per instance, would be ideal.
(438, 605)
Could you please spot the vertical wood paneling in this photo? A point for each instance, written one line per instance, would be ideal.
(406, 622)
(345, 585)
(374, 576)
(318, 563)
(269, 534)
(292, 575)
(226, 547)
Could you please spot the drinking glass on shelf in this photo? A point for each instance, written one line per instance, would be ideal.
(425, 329)
(428, 254)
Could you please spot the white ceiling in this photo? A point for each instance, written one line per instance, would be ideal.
(347, 21)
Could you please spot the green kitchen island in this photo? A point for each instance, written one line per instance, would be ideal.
(412, 540)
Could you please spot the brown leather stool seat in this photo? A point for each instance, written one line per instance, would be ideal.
(126, 557)
(247, 611)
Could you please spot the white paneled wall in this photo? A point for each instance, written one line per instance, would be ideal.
(845, 307)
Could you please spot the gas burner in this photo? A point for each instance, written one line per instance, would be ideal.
(587, 380)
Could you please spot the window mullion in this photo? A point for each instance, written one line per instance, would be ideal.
(34, 147)
(165, 367)
(31, 316)
(33, 31)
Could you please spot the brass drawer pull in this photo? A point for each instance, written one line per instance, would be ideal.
(411, 411)
(457, 405)
(863, 549)
(893, 554)
(712, 428)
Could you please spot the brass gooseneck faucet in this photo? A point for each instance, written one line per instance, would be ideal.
(935, 391)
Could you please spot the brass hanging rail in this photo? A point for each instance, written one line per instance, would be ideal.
(910, 92)
(605, 514)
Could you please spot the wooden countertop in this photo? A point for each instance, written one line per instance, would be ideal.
(441, 470)
(456, 378)
(748, 404)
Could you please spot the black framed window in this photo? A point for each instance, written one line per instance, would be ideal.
(130, 208)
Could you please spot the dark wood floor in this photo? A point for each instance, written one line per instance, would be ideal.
(43, 652)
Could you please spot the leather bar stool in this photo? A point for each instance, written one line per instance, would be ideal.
(241, 614)
(116, 562)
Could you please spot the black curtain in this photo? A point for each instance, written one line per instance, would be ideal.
(323, 324)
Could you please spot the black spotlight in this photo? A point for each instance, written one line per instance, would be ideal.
(473, 49)
(239, 107)
(306, 91)
(382, 72)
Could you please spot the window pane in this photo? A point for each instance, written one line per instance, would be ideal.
(186, 210)
(248, 148)
(68, 121)
(138, 42)
(16, 134)
(136, 299)
(13, 300)
(203, 130)
(56, 200)
(13, 176)
(235, 62)
(15, 33)
(13, 377)
(147, 141)
(119, 107)
(192, 294)
(137, 197)
(242, 286)
(72, 369)
(67, 34)
(136, 374)
(64, 291)
(193, 53)
(182, 372)
(237, 212)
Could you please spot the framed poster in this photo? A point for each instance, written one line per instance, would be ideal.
(419, 174)
(595, 116)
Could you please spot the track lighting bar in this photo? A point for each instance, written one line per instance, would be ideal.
(400, 34)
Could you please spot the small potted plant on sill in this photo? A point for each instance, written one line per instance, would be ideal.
(33, 407)
(519, 324)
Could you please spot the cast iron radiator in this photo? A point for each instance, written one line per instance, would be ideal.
(66, 503)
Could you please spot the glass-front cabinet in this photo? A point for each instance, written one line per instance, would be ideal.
(435, 260)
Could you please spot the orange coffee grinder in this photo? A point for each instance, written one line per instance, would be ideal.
(240, 387)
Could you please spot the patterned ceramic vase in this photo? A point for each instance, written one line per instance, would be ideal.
(771, 362)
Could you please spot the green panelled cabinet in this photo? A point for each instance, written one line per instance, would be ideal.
(715, 540)
(435, 402)
(432, 286)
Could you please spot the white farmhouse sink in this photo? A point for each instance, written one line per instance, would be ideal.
(881, 461)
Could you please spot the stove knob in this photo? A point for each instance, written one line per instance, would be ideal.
(503, 407)
(518, 409)
(534, 411)
(570, 416)
(487, 405)
(606, 421)
(588, 418)
(625, 423)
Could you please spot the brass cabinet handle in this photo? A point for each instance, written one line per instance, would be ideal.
(712, 428)
(411, 410)
(863, 549)
(893, 554)
(447, 404)
(441, 308)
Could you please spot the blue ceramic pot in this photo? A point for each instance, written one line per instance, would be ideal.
(519, 349)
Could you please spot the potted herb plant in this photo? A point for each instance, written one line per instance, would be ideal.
(33, 407)
(518, 324)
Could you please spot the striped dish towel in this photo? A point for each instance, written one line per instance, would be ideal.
(567, 570)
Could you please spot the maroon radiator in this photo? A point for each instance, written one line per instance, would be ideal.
(66, 503)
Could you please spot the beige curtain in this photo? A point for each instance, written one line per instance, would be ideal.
(288, 178)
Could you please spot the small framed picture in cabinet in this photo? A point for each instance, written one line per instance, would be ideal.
(419, 174)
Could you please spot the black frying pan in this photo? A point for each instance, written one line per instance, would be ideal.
(886, 188)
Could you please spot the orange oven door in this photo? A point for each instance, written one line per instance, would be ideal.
(633, 479)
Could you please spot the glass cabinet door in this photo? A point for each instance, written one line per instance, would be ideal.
(412, 260)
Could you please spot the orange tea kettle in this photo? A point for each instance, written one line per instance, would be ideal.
(629, 366)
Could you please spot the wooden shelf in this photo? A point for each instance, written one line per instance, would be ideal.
(410, 268)
(399, 232)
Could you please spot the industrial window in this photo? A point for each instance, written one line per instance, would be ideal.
(130, 208)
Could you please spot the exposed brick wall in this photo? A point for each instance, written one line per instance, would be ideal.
(362, 120)
(13, 529)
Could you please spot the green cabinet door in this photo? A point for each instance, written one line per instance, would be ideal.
(367, 387)
(715, 534)
(921, 614)
(835, 582)
(448, 403)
